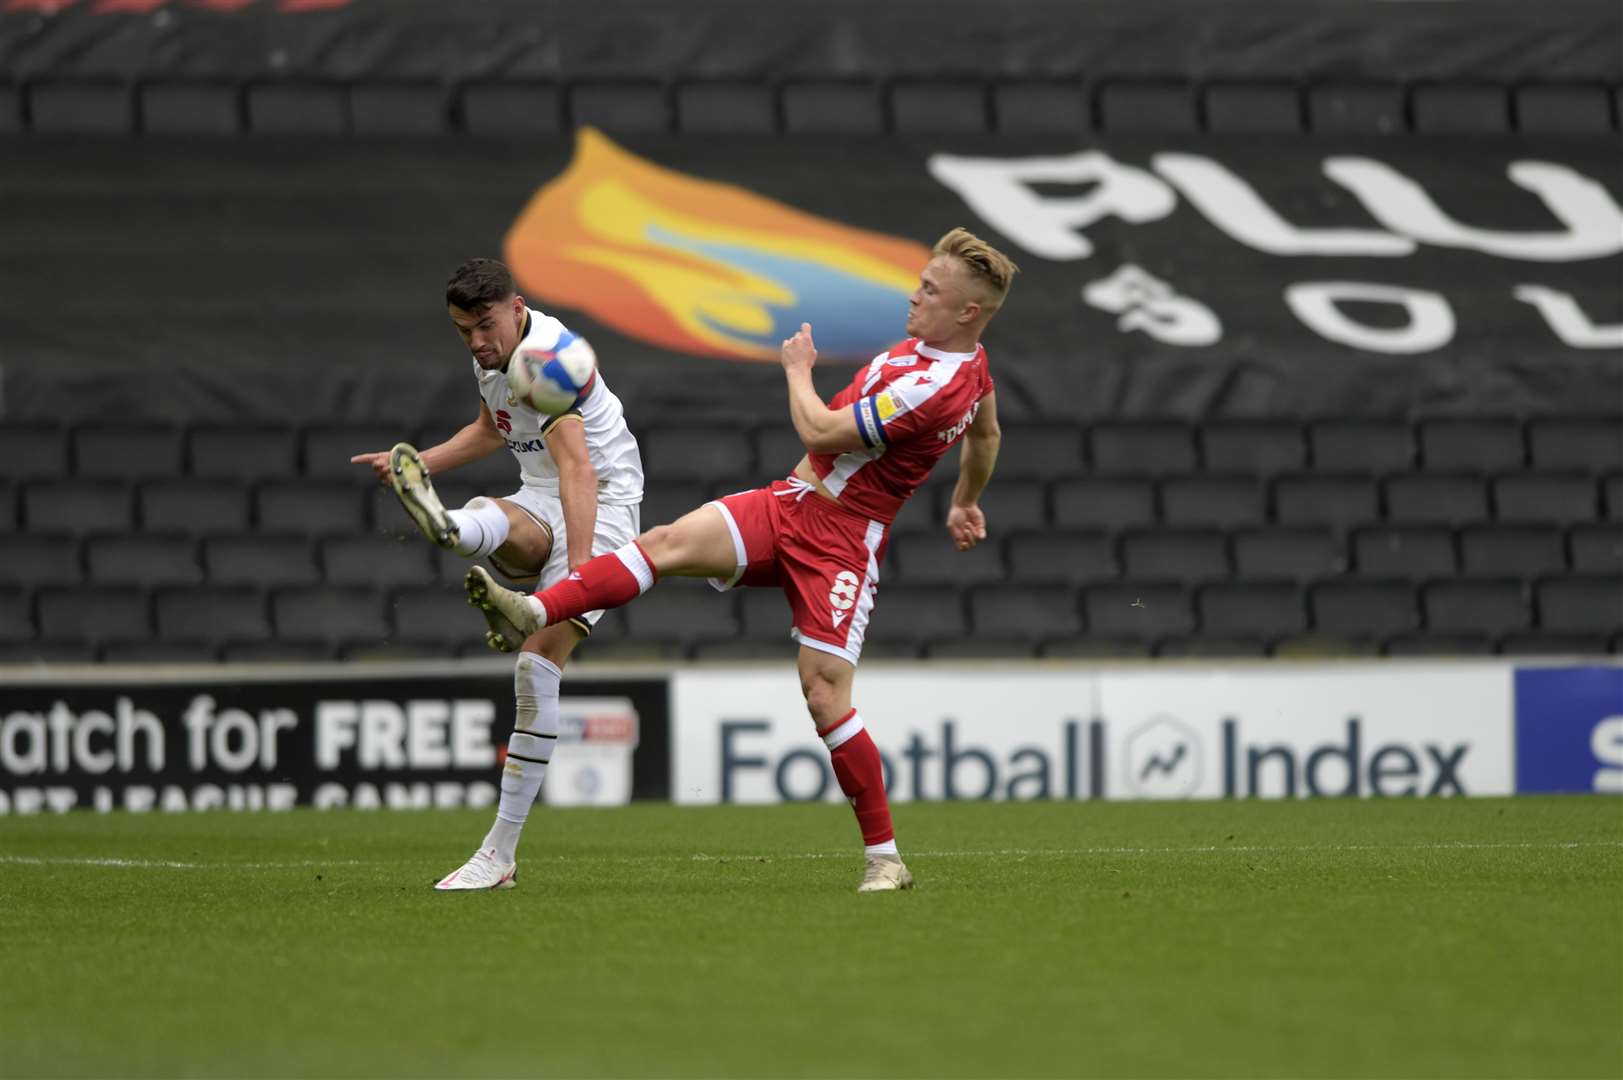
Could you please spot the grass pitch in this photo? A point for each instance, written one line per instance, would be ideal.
(1324, 938)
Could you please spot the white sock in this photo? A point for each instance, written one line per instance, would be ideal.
(887, 848)
(481, 527)
(529, 748)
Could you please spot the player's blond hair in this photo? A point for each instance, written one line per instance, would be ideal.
(987, 266)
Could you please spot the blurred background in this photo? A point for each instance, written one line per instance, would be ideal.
(1317, 348)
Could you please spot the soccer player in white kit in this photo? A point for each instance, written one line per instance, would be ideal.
(582, 486)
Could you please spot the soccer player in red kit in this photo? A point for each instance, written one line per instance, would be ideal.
(820, 533)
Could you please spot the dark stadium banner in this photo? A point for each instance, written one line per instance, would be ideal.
(1184, 276)
(273, 742)
(721, 39)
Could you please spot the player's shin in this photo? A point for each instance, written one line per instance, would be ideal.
(529, 748)
(604, 582)
(861, 774)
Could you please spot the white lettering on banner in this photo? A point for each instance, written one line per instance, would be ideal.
(421, 795)
(1568, 320)
(423, 734)
(999, 190)
(1593, 220)
(1606, 743)
(60, 741)
(1149, 304)
(1235, 207)
(233, 739)
(1430, 319)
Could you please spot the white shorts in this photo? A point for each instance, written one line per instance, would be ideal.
(617, 526)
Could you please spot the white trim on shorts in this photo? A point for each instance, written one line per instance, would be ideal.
(739, 554)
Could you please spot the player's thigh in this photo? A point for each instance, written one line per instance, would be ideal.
(697, 544)
(530, 535)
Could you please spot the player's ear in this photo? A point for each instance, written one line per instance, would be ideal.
(971, 311)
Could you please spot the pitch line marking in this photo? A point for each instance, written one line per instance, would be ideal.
(164, 864)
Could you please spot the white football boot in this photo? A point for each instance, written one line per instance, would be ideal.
(885, 873)
(410, 480)
(513, 616)
(483, 871)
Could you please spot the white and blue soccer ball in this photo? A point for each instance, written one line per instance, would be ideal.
(552, 381)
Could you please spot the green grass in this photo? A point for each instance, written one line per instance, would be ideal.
(1327, 938)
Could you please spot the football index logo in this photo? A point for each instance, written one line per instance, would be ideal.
(704, 267)
(1569, 729)
(1163, 759)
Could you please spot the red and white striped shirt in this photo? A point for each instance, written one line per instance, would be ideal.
(911, 404)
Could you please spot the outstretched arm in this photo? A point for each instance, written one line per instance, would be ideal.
(477, 440)
(822, 430)
(965, 522)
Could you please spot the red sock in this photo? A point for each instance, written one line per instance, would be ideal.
(604, 582)
(861, 775)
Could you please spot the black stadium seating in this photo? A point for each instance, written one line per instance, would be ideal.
(1230, 538)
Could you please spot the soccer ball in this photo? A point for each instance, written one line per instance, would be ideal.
(552, 381)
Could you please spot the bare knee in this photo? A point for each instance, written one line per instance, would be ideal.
(827, 700)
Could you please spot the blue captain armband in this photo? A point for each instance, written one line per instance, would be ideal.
(870, 413)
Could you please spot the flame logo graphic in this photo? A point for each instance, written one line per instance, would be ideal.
(704, 267)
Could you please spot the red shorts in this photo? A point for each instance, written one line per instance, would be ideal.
(825, 557)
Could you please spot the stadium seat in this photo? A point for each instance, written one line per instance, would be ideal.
(832, 108)
(243, 453)
(1577, 443)
(939, 107)
(33, 451)
(1438, 645)
(1539, 643)
(149, 559)
(1252, 610)
(1363, 610)
(1026, 613)
(1325, 646)
(269, 560)
(11, 110)
(1613, 486)
(929, 558)
(1286, 554)
(1491, 607)
(1066, 557)
(126, 452)
(1035, 451)
(1581, 604)
(88, 107)
(1102, 503)
(1544, 498)
(1094, 648)
(1338, 502)
(1466, 444)
(93, 614)
(8, 507)
(1436, 498)
(1174, 554)
(1148, 108)
(364, 652)
(1141, 447)
(1138, 611)
(197, 651)
(16, 616)
(1253, 109)
(979, 648)
(1596, 549)
(78, 506)
(1008, 505)
(628, 106)
(277, 650)
(1215, 648)
(399, 108)
(200, 507)
(744, 649)
(726, 108)
(1459, 109)
(1563, 109)
(39, 558)
(509, 109)
(1356, 109)
(912, 613)
(685, 611)
(214, 613)
(297, 109)
(1259, 447)
(317, 508)
(1041, 107)
(1226, 502)
(379, 561)
(191, 108)
(327, 448)
(668, 500)
(777, 450)
(695, 452)
(764, 613)
(1369, 446)
(329, 614)
(1523, 551)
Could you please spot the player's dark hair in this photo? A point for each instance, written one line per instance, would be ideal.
(479, 282)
